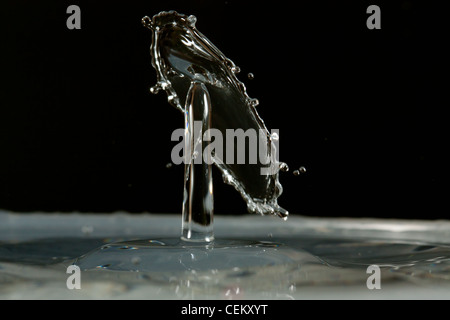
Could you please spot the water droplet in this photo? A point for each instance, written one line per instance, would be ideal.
(300, 170)
(169, 165)
(235, 69)
(172, 99)
(284, 167)
(254, 102)
(192, 20)
(251, 76)
(155, 89)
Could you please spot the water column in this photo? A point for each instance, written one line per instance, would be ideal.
(198, 202)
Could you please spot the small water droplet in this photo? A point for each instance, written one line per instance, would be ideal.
(251, 76)
(235, 69)
(300, 171)
(192, 20)
(254, 102)
(155, 89)
(172, 99)
(284, 167)
(169, 165)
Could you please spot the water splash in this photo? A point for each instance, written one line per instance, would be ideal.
(182, 55)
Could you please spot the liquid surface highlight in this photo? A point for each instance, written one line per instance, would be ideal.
(321, 258)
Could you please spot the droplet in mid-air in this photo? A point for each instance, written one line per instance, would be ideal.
(300, 171)
(284, 167)
(155, 89)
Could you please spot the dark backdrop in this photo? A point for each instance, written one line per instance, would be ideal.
(362, 110)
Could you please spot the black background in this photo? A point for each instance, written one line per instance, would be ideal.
(362, 110)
